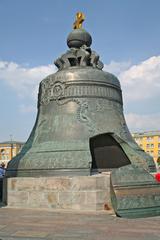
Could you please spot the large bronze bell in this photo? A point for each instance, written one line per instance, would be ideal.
(80, 127)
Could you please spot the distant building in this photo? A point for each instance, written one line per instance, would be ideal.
(150, 143)
(9, 149)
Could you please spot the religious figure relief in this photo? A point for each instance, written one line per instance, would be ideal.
(83, 113)
(58, 90)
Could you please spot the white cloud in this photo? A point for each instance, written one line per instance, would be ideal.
(140, 84)
(142, 81)
(137, 122)
(117, 67)
(24, 80)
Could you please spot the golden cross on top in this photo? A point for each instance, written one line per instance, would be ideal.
(79, 20)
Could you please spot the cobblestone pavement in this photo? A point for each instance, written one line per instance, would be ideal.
(27, 224)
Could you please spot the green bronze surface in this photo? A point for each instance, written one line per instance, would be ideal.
(134, 192)
(76, 103)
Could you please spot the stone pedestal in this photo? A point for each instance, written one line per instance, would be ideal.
(70, 193)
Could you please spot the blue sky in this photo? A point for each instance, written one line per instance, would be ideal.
(33, 33)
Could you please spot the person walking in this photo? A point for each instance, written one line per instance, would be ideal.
(2, 169)
(2, 173)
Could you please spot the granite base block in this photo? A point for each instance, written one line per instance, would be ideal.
(72, 193)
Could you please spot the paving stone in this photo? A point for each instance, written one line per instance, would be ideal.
(30, 234)
(58, 183)
(2, 226)
(78, 197)
(102, 182)
(65, 198)
(51, 198)
(22, 184)
(22, 238)
(17, 198)
(57, 192)
(91, 197)
(83, 183)
(34, 224)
